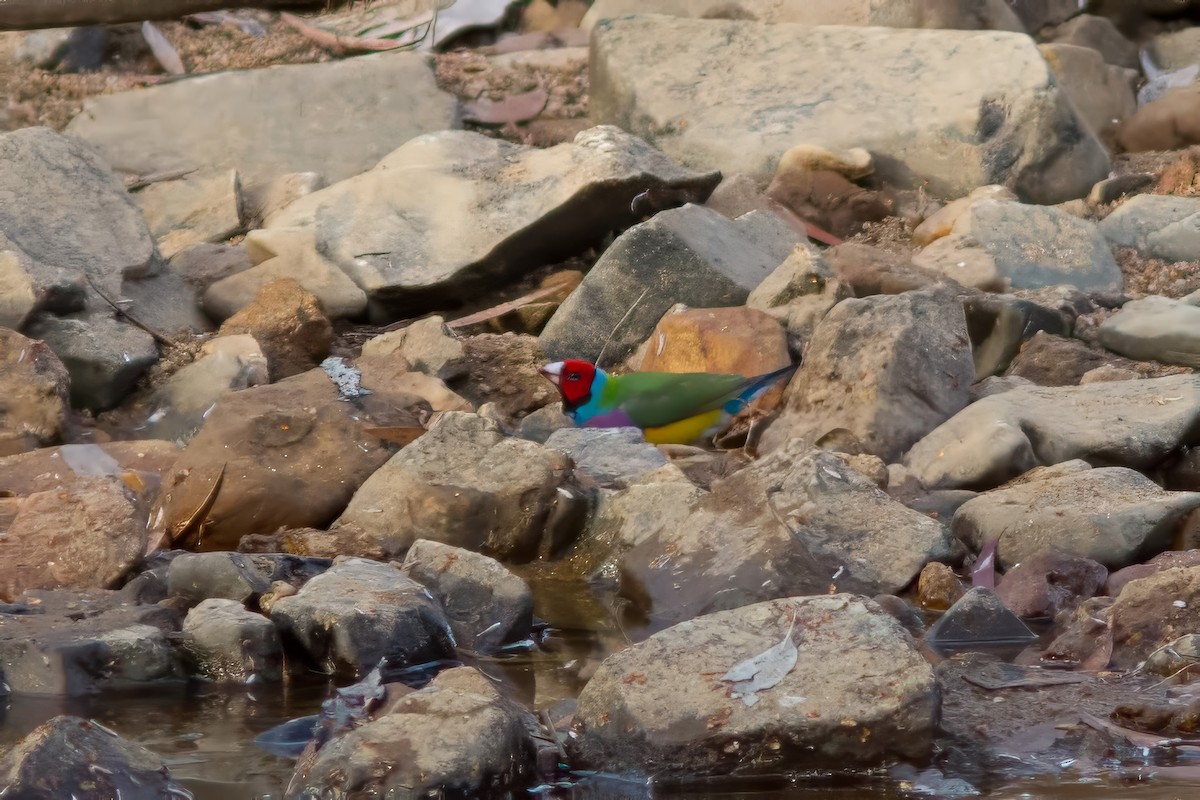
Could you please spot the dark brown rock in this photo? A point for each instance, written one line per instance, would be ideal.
(288, 323)
(1048, 583)
(869, 270)
(1050, 360)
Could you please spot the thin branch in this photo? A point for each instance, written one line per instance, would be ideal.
(620, 322)
(158, 335)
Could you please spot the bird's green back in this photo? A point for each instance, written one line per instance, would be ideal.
(651, 399)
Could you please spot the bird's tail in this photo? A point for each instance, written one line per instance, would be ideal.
(756, 386)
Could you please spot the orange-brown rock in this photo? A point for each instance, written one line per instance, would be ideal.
(289, 324)
(1168, 123)
(827, 199)
(34, 389)
(938, 587)
(734, 340)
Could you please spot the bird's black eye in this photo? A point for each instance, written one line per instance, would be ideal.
(572, 376)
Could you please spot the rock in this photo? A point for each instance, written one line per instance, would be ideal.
(72, 757)
(1168, 122)
(1035, 246)
(1127, 423)
(200, 208)
(1038, 14)
(1100, 34)
(103, 356)
(1157, 226)
(84, 643)
(938, 587)
(963, 259)
(1168, 560)
(1020, 131)
(326, 619)
(662, 706)
(978, 620)
(222, 641)
(487, 605)
(539, 425)
(941, 222)
(1116, 188)
(528, 207)
(70, 216)
(202, 265)
(17, 296)
(164, 302)
(690, 255)
(740, 194)
(34, 394)
(738, 340)
(1001, 325)
(799, 293)
(282, 192)
(1050, 360)
(458, 736)
(197, 577)
(612, 457)
(869, 270)
(795, 522)
(1154, 329)
(465, 484)
(1175, 49)
(1158, 85)
(1049, 583)
(225, 364)
(394, 371)
(1151, 611)
(888, 368)
(826, 197)
(1175, 658)
(184, 125)
(502, 369)
(1112, 515)
(974, 14)
(1101, 93)
(87, 537)
(428, 345)
(290, 326)
(135, 465)
(291, 454)
(286, 253)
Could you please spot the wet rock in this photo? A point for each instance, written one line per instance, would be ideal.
(313, 543)
(70, 216)
(724, 340)
(1050, 360)
(72, 757)
(1101, 93)
(1100, 34)
(1178, 657)
(798, 521)
(1048, 583)
(1168, 122)
(1112, 515)
(986, 14)
(202, 265)
(1127, 423)
(104, 357)
(289, 324)
(1034, 246)
(86, 537)
(529, 206)
(938, 587)
(428, 345)
(197, 209)
(286, 253)
(222, 641)
(465, 484)
(185, 124)
(744, 112)
(288, 455)
(1157, 226)
(34, 394)
(690, 255)
(978, 619)
(1155, 329)
(456, 736)
(82, 643)
(502, 369)
(1084, 639)
(358, 612)
(661, 706)
(888, 368)
(1152, 611)
(1168, 560)
(201, 576)
(612, 457)
(487, 605)
(941, 222)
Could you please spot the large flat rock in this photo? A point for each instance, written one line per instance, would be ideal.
(337, 119)
(736, 95)
(965, 14)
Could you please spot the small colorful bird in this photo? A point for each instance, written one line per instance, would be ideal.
(669, 407)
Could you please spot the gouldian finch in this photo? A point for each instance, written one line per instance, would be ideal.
(669, 407)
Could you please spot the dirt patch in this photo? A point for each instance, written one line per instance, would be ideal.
(1145, 275)
(891, 234)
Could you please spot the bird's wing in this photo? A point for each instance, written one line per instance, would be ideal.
(653, 399)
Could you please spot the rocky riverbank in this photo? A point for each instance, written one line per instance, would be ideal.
(270, 405)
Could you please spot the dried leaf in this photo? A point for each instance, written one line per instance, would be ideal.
(514, 108)
(163, 51)
(343, 44)
(764, 670)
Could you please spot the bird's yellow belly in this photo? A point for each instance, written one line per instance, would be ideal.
(685, 431)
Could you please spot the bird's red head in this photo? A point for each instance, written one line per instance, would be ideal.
(573, 378)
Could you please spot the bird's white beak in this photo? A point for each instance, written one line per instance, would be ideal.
(553, 372)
